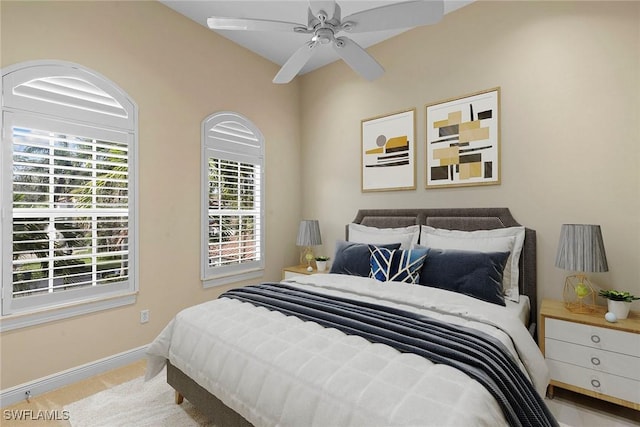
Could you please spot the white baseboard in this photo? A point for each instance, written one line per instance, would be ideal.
(43, 385)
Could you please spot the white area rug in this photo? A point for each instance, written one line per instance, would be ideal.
(139, 404)
(135, 403)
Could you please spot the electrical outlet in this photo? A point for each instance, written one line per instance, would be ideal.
(144, 316)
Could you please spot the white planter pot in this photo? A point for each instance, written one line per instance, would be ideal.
(322, 265)
(619, 308)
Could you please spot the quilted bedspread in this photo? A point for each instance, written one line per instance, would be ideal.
(275, 369)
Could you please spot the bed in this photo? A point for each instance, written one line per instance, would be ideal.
(266, 355)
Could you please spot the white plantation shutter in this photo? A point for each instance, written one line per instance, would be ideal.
(68, 178)
(67, 90)
(233, 205)
(70, 211)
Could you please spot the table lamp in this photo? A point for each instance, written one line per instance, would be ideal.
(308, 236)
(581, 249)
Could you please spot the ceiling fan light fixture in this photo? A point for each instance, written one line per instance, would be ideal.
(323, 36)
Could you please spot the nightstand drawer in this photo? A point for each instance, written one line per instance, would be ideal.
(593, 336)
(592, 358)
(598, 382)
(290, 274)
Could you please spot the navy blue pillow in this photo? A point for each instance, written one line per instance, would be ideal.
(477, 274)
(353, 258)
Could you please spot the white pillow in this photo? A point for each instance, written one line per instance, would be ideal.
(499, 240)
(406, 236)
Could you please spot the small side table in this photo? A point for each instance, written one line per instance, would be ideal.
(296, 270)
(588, 355)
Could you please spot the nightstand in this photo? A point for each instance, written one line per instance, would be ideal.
(588, 355)
(296, 270)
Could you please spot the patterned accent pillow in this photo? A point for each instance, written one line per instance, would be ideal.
(397, 265)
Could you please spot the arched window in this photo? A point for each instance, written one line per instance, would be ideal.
(68, 190)
(232, 199)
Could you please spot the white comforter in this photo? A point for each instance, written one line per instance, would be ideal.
(278, 370)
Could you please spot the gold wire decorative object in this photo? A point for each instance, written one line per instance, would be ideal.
(307, 256)
(579, 295)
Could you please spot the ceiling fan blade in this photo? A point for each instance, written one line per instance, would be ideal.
(358, 58)
(295, 63)
(220, 23)
(395, 16)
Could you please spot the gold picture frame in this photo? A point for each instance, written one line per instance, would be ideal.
(463, 141)
(388, 160)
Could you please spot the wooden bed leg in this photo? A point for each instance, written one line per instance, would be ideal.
(179, 398)
(550, 392)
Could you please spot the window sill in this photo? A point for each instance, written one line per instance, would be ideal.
(24, 320)
(211, 282)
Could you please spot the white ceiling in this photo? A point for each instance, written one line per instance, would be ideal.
(278, 46)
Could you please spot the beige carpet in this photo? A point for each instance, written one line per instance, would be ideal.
(135, 403)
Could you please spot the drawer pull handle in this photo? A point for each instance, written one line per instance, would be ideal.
(595, 383)
(595, 361)
(595, 339)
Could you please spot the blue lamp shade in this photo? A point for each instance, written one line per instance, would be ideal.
(581, 249)
(309, 233)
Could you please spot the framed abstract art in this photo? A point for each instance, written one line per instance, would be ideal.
(463, 141)
(388, 152)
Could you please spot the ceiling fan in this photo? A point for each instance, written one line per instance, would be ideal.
(325, 22)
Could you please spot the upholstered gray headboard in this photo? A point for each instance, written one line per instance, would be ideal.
(467, 219)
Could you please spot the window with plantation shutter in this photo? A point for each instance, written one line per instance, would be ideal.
(232, 199)
(68, 189)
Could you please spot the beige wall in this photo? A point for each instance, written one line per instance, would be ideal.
(569, 75)
(570, 79)
(178, 72)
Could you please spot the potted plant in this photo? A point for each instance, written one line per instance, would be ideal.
(321, 262)
(618, 302)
